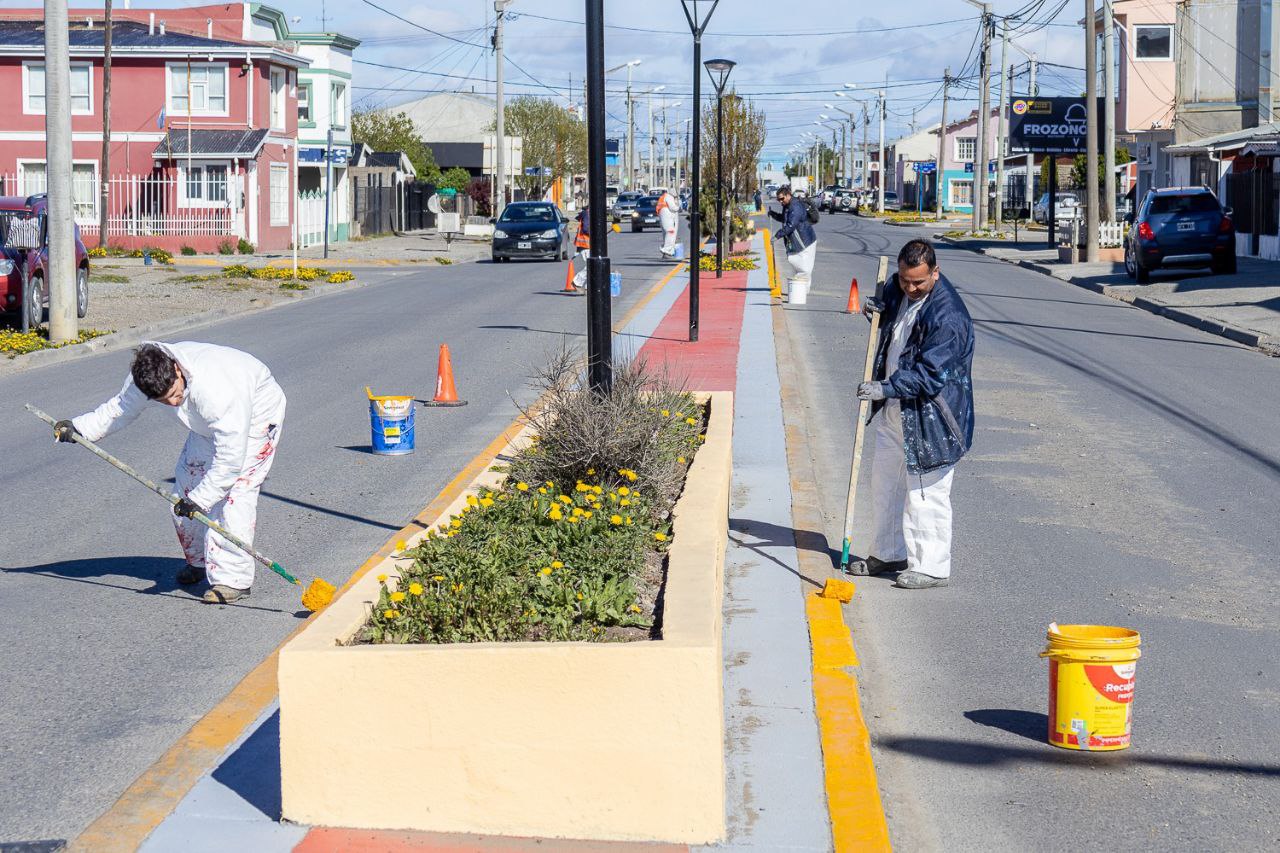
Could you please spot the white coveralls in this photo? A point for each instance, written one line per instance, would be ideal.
(235, 411)
(668, 208)
(912, 511)
(802, 262)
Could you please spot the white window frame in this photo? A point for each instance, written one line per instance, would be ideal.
(1167, 27)
(278, 95)
(278, 169)
(305, 85)
(972, 155)
(952, 201)
(337, 111)
(174, 112)
(202, 166)
(81, 216)
(26, 88)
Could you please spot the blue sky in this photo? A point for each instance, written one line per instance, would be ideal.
(792, 56)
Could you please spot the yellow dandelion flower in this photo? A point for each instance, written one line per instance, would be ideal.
(680, 459)
(635, 608)
(455, 524)
(587, 514)
(574, 519)
(666, 413)
(546, 571)
(624, 491)
(702, 437)
(472, 500)
(555, 514)
(542, 490)
(556, 564)
(400, 545)
(388, 614)
(591, 471)
(582, 487)
(382, 578)
(551, 484)
(679, 414)
(631, 476)
(457, 587)
(488, 494)
(453, 533)
(599, 490)
(523, 487)
(592, 498)
(579, 596)
(415, 588)
(577, 510)
(565, 499)
(486, 502)
(690, 421)
(624, 502)
(615, 519)
(628, 521)
(397, 596)
(661, 537)
(437, 577)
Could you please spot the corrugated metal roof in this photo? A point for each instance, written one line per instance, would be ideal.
(124, 34)
(1227, 141)
(212, 143)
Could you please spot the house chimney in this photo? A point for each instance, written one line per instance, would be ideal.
(151, 23)
(162, 28)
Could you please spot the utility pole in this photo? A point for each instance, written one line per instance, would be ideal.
(499, 158)
(866, 150)
(631, 135)
(942, 142)
(104, 179)
(984, 111)
(1091, 209)
(1109, 111)
(880, 183)
(61, 221)
(599, 322)
(652, 175)
(1000, 123)
(328, 181)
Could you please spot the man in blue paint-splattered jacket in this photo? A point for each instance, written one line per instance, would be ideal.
(922, 406)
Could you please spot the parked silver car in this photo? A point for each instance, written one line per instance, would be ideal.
(1067, 207)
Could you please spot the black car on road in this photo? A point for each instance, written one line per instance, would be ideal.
(646, 213)
(1179, 227)
(531, 229)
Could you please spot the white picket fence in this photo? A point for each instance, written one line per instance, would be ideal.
(1110, 234)
(310, 219)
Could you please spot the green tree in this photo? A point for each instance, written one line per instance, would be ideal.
(744, 135)
(381, 131)
(552, 138)
(1080, 166)
(456, 178)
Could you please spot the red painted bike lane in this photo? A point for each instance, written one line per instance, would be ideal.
(711, 364)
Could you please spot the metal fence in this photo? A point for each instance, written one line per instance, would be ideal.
(1254, 199)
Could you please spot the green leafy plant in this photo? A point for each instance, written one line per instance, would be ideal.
(14, 343)
(244, 247)
(227, 247)
(188, 250)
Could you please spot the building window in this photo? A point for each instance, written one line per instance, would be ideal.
(966, 148)
(338, 105)
(203, 184)
(277, 98)
(1153, 42)
(195, 183)
(215, 183)
(304, 104)
(207, 86)
(33, 97)
(33, 179)
(961, 192)
(279, 193)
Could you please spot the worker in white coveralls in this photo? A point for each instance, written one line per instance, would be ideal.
(668, 207)
(922, 408)
(235, 411)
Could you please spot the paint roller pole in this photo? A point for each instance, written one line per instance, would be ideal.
(599, 333)
(864, 408)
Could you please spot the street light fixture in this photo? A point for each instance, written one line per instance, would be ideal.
(719, 70)
(599, 322)
(697, 26)
(649, 102)
(628, 177)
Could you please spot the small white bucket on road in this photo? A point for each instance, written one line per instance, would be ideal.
(797, 291)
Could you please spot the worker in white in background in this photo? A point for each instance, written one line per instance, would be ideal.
(668, 210)
(234, 410)
(922, 405)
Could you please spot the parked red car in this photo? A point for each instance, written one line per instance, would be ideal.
(37, 281)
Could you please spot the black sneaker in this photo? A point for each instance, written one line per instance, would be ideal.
(219, 594)
(875, 566)
(191, 575)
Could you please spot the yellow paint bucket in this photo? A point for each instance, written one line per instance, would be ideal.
(1091, 678)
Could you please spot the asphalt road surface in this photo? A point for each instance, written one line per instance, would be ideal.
(105, 660)
(1124, 472)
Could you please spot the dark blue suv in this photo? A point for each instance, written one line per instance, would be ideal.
(1179, 227)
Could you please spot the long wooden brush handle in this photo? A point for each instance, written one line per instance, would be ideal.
(171, 498)
(864, 408)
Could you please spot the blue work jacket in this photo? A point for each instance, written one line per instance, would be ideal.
(932, 379)
(796, 232)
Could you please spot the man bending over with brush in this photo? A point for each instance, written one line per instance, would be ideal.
(922, 405)
(235, 410)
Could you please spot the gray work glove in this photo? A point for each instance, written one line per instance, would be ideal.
(65, 431)
(872, 391)
(872, 306)
(186, 508)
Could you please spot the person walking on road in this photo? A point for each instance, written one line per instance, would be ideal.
(582, 242)
(668, 208)
(797, 233)
(234, 410)
(922, 405)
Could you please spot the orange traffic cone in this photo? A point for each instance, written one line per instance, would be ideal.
(852, 307)
(569, 287)
(446, 391)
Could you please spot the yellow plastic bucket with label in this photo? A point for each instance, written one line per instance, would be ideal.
(1091, 680)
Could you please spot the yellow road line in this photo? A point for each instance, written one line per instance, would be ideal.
(775, 289)
(154, 794)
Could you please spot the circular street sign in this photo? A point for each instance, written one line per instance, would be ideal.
(1019, 107)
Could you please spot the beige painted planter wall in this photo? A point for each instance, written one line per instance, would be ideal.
(562, 740)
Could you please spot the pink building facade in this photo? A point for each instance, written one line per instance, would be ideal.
(204, 126)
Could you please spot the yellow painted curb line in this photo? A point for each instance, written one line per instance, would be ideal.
(154, 794)
(853, 795)
(775, 290)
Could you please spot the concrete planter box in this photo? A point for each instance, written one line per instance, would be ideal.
(610, 741)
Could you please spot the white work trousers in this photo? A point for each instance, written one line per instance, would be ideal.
(668, 220)
(802, 261)
(223, 562)
(912, 511)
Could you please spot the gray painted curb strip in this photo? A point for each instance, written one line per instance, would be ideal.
(1259, 341)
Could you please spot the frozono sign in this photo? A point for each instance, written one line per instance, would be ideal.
(1048, 125)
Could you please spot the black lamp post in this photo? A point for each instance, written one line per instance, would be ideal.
(719, 70)
(599, 333)
(697, 27)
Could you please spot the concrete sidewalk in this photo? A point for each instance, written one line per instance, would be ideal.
(1244, 307)
(776, 795)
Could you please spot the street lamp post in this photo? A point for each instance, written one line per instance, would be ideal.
(627, 176)
(599, 333)
(719, 70)
(697, 26)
